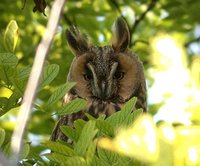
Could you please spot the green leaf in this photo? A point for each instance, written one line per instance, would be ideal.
(2, 136)
(74, 133)
(87, 134)
(98, 162)
(64, 160)
(6, 73)
(12, 101)
(79, 124)
(25, 151)
(6, 149)
(19, 85)
(23, 73)
(11, 36)
(60, 148)
(50, 72)
(6, 109)
(90, 152)
(111, 158)
(134, 115)
(70, 133)
(105, 127)
(120, 118)
(108, 156)
(72, 107)
(8, 59)
(90, 117)
(56, 157)
(7, 63)
(75, 161)
(59, 93)
(3, 102)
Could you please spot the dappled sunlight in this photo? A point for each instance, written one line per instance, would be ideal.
(167, 133)
(9, 120)
(5, 92)
(142, 135)
(193, 155)
(173, 82)
(187, 145)
(162, 144)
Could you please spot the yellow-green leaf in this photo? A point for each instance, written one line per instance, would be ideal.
(50, 72)
(2, 136)
(87, 135)
(60, 148)
(8, 59)
(73, 107)
(11, 36)
(59, 93)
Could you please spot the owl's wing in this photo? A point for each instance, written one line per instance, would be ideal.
(64, 120)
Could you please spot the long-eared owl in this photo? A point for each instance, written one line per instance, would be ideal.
(106, 77)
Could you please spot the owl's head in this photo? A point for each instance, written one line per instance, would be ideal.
(108, 73)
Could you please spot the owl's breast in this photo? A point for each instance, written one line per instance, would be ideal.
(97, 108)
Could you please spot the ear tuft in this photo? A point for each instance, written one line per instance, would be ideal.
(77, 41)
(121, 35)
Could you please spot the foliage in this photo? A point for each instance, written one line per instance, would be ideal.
(104, 141)
(84, 149)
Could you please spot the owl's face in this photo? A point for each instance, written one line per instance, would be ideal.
(107, 74)
(101, 73)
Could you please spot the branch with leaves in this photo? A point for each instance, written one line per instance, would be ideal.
(33, 81)
(140, 18)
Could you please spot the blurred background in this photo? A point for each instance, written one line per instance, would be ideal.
(164, 34)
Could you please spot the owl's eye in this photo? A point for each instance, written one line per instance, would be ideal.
(87, 76)
(89, 70)
(119, 75)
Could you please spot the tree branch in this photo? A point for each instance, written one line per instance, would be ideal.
(141, 17)
(116, 5)
(3, 160)
(33, 81)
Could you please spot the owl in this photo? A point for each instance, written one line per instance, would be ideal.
(106, 76)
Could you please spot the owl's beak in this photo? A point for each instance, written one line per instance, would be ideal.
(103, 85)
(103, 90)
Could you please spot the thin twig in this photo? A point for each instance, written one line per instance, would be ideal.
(24, 3)
(33, 81)
(141, 17)
(116, 5)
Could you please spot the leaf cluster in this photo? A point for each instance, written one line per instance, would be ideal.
(83, 149)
